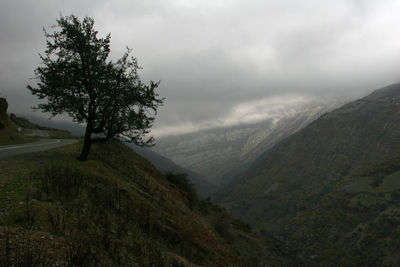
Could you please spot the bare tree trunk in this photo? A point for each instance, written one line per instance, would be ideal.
(86, 142)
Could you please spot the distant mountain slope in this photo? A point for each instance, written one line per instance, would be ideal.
(336, 180)
(218, 154)
(203, 187)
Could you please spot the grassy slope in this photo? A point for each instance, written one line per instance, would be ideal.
(357, 225)
(29, 127)
(114, 209)
(10, 136)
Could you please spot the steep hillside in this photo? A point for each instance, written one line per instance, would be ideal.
(218, 154)
(331, 190)
(203, 187)
(115, 209)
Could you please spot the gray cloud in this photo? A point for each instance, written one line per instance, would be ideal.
(212, 55)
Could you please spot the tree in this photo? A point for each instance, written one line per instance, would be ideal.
(77, 78)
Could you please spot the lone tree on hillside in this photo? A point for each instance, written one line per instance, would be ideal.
(76, 78)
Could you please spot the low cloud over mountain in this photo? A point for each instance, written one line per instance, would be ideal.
(214, 58)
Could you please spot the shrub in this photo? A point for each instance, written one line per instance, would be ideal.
(224, 229)
(182, 182)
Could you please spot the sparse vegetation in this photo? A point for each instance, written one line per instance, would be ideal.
(114, 209)
(182, 182)
(224, 228)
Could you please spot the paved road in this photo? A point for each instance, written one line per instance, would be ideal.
(44, 144)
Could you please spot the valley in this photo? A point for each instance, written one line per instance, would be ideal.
(219, 154)
(335, 177)
(323, 186)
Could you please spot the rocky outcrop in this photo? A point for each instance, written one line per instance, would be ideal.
(3, 105)
(3, 113)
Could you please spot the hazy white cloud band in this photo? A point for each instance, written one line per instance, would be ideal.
(272, 108)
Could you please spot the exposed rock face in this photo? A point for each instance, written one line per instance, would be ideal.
(3, 113)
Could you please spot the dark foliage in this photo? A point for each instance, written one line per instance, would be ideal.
(77, 78)
(182, 182)
(223, 227)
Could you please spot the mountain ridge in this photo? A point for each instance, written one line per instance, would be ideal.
(326, 181)
(218, 154)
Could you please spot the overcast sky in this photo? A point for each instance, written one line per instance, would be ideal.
(219, 60)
